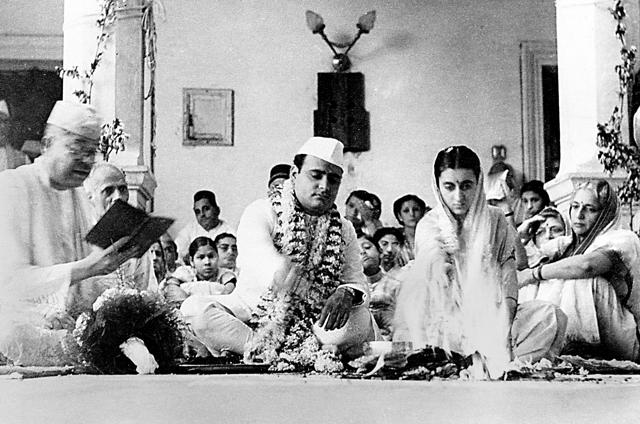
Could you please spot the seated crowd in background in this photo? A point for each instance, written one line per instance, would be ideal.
(433, 280)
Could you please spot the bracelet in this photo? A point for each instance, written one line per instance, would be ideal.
(537, 273)
(349, 290)
(508, 214)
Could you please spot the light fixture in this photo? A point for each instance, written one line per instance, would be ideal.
(341, 62)
(498, 153)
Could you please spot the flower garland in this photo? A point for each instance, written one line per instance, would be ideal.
(121, 313)
(284, 321)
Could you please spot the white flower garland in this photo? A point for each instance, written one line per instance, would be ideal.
(283, 322)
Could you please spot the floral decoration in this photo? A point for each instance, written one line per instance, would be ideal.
(283, 322)
(121, 313)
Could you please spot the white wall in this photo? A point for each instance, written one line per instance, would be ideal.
(31, 16)
(436, 73)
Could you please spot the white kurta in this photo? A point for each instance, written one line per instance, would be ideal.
(192, 230)
(42, 230)
(260, 260)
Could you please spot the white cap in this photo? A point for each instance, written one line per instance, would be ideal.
(327, 149)
(78, 118)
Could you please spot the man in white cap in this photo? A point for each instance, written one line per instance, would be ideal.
(44, 217)
(286, 241)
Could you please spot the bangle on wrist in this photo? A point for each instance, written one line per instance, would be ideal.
(508, 214)
(349, 290)
(537, 273)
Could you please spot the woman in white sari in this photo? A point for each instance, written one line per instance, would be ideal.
(593, 275)
(461, 294)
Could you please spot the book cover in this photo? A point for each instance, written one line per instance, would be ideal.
(123, 220)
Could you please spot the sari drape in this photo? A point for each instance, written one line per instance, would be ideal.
(602, 311)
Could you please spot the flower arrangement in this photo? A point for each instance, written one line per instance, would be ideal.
(121, 314)
(283, 322)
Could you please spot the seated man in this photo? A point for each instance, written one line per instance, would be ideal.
(286, 250)
(170, 252)
(44, 217)
(159, 264)
(106, 184)
(227, 247)
(389, 241)
(207, 223)
(278, 175)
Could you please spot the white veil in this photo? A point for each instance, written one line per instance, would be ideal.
(453, 297)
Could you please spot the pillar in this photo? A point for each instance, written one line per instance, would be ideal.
(118, 89)
(588, 51)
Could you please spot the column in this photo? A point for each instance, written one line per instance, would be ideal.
(588, 51)
(118, 83)
(129, 105)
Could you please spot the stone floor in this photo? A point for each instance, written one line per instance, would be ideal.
(260, 398)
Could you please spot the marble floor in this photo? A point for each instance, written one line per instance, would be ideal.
(260, 398)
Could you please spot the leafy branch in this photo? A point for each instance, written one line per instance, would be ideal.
(112, 137)
(613, 152)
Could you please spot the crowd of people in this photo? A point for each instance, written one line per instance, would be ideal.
(486, 271)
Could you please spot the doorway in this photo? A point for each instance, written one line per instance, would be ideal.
(28, 90)
(540, 110)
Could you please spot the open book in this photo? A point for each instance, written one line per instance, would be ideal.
(122, 220)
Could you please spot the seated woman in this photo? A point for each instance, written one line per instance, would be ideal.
(389, 241)
(461, 293)
(409, 210)
(535, 231)
(592, 275)
(202, 277)
(383, 286)
(363, 210)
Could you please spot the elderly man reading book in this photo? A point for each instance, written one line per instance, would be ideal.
(44, 217)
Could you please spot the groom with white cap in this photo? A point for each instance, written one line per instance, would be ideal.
(271, 259)
(44, 217)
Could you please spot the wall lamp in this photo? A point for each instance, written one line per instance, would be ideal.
(341, 62)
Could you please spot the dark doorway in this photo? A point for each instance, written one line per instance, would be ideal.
(551, 120)
(30, 95)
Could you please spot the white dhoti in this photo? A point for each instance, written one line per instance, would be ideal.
(219, 322)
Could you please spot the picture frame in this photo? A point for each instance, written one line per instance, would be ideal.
(208, 117)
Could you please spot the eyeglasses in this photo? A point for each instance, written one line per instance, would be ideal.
(82, 154)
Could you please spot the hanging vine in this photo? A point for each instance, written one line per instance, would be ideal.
(150, 8)
(112, 137)
(613, 152)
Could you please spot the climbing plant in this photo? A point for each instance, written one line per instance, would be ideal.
(613, 152)
(113, 136)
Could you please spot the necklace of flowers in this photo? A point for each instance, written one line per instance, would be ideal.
(283, 322)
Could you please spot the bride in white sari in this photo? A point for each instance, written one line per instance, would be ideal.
(461, 294)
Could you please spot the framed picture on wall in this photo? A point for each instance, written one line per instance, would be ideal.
(208, 117)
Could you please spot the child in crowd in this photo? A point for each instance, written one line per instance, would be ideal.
(202, 277)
